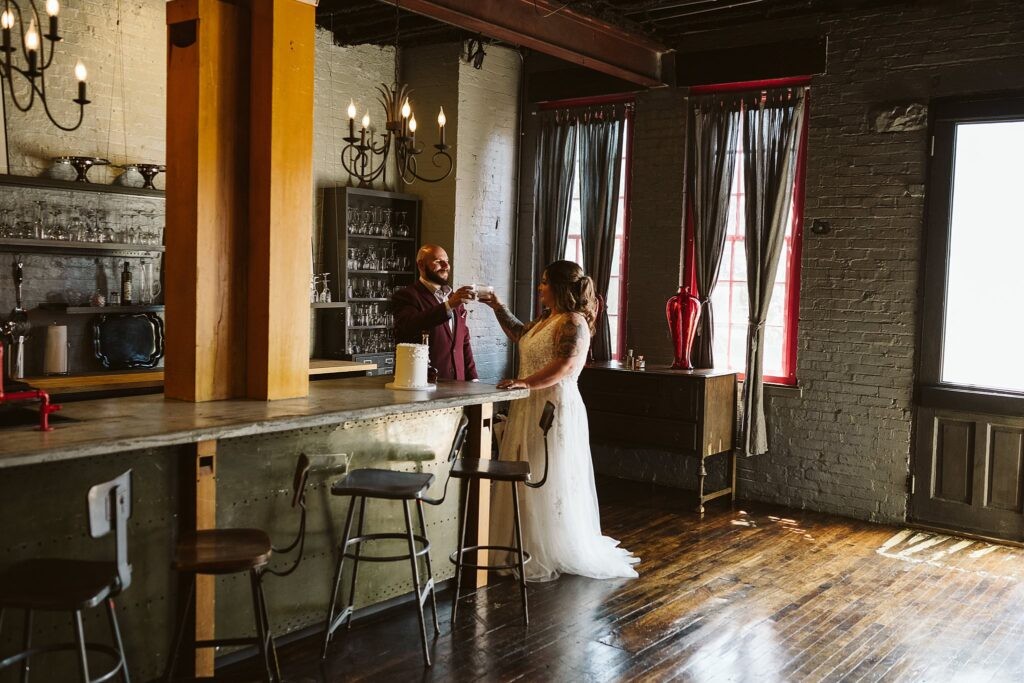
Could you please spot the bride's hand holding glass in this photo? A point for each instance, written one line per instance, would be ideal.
(490, 299)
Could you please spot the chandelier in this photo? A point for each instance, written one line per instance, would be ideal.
(36, 55)
(365, 155)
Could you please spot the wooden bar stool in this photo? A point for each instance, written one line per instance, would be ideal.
(76, 585)
(514, 472)
(388, 485)
(231, 551)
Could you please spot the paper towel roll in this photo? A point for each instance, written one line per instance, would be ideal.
(55, 360)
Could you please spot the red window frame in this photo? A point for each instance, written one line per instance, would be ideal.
(626, 196)
(792, 304)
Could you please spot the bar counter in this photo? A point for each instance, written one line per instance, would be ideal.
(132, 423)
(229, 464)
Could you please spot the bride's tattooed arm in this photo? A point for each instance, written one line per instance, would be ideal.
(513, 327)
(571, 338)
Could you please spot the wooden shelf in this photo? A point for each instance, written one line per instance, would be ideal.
(326, 366)
(369, 327)
(362, 300)
(99, 310)
(142, 379)
(53, 184)
(330, 304)
(381, 272)
(395, 238)
(13, 244)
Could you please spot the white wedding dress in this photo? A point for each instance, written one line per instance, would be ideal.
(561, 523)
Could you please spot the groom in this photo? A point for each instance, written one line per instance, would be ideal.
(430, 306)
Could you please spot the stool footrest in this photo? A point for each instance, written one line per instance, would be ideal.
(454, 559)
(68, 647)
(422, 550)
(227, 642)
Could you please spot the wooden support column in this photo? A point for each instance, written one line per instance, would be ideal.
(281, 198)
(481, 418)
(207, 198)
(239, 198)
(198, 510)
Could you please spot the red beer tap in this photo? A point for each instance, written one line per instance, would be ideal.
(45, 407)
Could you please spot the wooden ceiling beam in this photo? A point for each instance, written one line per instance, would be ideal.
(552, 28)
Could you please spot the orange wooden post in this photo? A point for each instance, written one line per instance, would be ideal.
(281, 198)
(207, 199)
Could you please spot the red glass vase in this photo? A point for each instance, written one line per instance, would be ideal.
(683, 312)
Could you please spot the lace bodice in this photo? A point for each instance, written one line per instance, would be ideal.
(538, 347)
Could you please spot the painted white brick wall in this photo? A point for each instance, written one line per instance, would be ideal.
(124, 50)
(486, 193)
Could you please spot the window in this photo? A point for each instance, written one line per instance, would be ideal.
(974, 280)
(574, 250)
(729, 300)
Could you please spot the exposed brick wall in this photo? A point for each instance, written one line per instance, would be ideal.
(486, 193)
(656, 219)
(433, 74)
(125, 54)
(842, 443)
(472, 213)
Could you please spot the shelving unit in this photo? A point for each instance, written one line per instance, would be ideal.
(97, 310)
(33, 246)
(346, 252)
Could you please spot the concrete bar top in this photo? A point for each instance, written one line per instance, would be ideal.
(114, 425)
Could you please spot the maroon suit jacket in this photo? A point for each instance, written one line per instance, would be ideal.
(417, 311)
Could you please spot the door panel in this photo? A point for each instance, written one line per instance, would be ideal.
(969, 471)
(1005, 469)
(954, 460)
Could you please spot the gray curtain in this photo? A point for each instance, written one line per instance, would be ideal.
(771, 140)
(711, 158)
(553, 186)
(601, 139)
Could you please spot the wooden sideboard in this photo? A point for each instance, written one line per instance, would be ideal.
(690, 412)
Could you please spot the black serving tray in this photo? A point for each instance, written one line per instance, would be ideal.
(128, 340)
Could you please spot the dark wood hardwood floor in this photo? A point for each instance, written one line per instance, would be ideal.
(754, 593)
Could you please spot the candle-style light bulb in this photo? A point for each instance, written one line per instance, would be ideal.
(412, 125)
(32, 37)
(366, 120)
(7, 22)
(81, 73)
(52, 9)
(351, 119)
(441, 118)
(406, 109)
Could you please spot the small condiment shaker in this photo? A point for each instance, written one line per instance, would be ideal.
(629, 359)
(640, 363)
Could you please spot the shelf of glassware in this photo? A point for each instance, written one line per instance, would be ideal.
(15, 244)
(54, 184)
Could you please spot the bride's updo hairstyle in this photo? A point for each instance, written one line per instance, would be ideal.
(573, 290)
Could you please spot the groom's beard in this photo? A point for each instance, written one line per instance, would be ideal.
(436, 278)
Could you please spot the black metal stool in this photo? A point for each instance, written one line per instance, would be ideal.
(389, 485)
(230, 551)
(514, 472)
(76, 585)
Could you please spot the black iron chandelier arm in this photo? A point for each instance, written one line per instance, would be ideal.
(409, 170)
(46, 108)
(353, 158)
(14, 97)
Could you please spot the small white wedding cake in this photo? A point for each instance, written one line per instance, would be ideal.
(411, 368)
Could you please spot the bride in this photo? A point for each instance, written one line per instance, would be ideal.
(561, 523)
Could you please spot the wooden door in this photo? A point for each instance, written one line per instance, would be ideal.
(969, 473)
